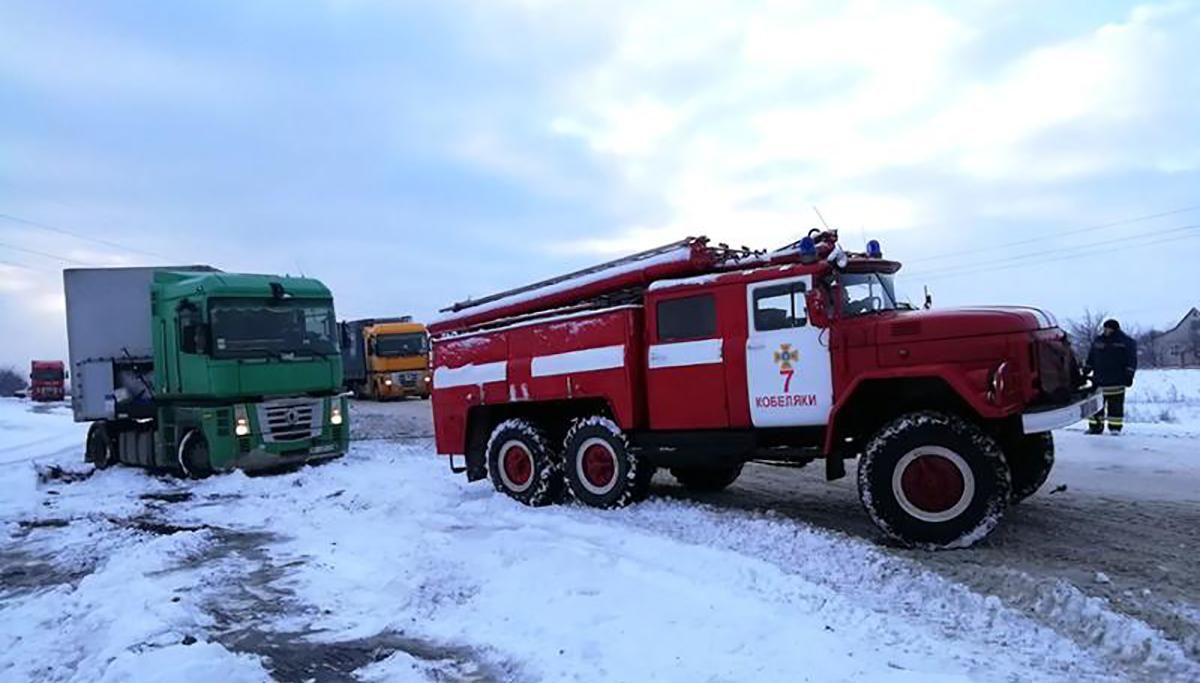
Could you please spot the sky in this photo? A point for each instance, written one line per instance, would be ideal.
(414, 154)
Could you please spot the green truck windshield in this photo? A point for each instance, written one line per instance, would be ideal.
(392, 345)
(251, 328)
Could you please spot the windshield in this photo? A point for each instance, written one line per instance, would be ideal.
(410, 344)
(864, 293)
(249, 328)
(47, 375)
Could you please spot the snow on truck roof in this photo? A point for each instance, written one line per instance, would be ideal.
(689, 256)
(690, 261)
(507, 324)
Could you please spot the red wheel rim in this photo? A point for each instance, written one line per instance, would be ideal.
(518, 465)
(599, 466)
(932, 483)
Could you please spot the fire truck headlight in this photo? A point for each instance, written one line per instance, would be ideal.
(335, 415)
(998, 381)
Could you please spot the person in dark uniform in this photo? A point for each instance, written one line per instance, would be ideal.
(1112, 361)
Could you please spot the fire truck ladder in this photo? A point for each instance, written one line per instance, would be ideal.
(634, 258)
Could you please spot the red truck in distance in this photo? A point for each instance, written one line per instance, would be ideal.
(699, 358)
(47, 380)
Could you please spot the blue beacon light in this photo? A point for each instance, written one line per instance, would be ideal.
(874, 250)
(808, 247)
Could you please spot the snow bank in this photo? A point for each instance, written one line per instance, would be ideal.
(1165, 396)
(29, 431)
(460, 582)
(391, 543)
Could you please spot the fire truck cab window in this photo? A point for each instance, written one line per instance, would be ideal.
(864, 293)
(780, 307)
(692, 317)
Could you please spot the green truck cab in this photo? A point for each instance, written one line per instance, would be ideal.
(198, 371)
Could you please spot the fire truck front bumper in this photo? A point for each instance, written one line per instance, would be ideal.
(1049, 419)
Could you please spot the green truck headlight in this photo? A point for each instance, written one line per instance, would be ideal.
(335, 415)
(241, 424)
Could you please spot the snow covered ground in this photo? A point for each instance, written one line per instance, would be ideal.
(384, 566)
(1167, 397)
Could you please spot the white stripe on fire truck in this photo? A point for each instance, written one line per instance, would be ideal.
(584, 360)
(680, 354)
(471, 374)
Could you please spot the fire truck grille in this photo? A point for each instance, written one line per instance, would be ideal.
(1056, 369)
(284, 421)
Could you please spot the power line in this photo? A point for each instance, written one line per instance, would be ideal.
(1025, 257)
(1084, 252)
(77, 235)
(14, 264)
(1033, 240)
(35, 252)
(1068, 257)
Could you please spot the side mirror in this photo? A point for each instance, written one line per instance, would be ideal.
(818, 309)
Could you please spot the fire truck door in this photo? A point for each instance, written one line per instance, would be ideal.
(685, 377)
(787, 360)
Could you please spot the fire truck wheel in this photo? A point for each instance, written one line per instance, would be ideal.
(600, 469)
(192, 455)
(1031, 461)
(522, 465)
(934, 481)
(707, 479)
(99, 450)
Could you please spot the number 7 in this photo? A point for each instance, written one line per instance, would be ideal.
(787, 382)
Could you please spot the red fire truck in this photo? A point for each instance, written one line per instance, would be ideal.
(699, 358)
(47, 380)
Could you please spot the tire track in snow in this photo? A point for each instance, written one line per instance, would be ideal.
(1037, 627)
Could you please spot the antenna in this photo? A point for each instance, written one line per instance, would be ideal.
(820, 216)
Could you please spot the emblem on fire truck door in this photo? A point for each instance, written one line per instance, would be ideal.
(784, 358)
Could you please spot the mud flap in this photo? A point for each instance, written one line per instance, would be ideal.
(835, 468)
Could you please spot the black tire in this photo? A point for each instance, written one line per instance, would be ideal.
(100, 450)
(707, 479)
(522, 465)
(192, 455)
(1030, 460)
(952, 457)
(600, 469)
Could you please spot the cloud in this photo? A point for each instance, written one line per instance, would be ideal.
(413, 154)
(799, 104)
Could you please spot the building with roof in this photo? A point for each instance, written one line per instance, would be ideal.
(1178, 347)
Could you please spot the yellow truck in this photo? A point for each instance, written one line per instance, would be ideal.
(386, 358)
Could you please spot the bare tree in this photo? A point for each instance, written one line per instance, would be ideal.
(1083, 329)
(11, 381)
(1149, 350)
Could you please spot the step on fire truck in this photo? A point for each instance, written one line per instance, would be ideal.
(699, 358)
